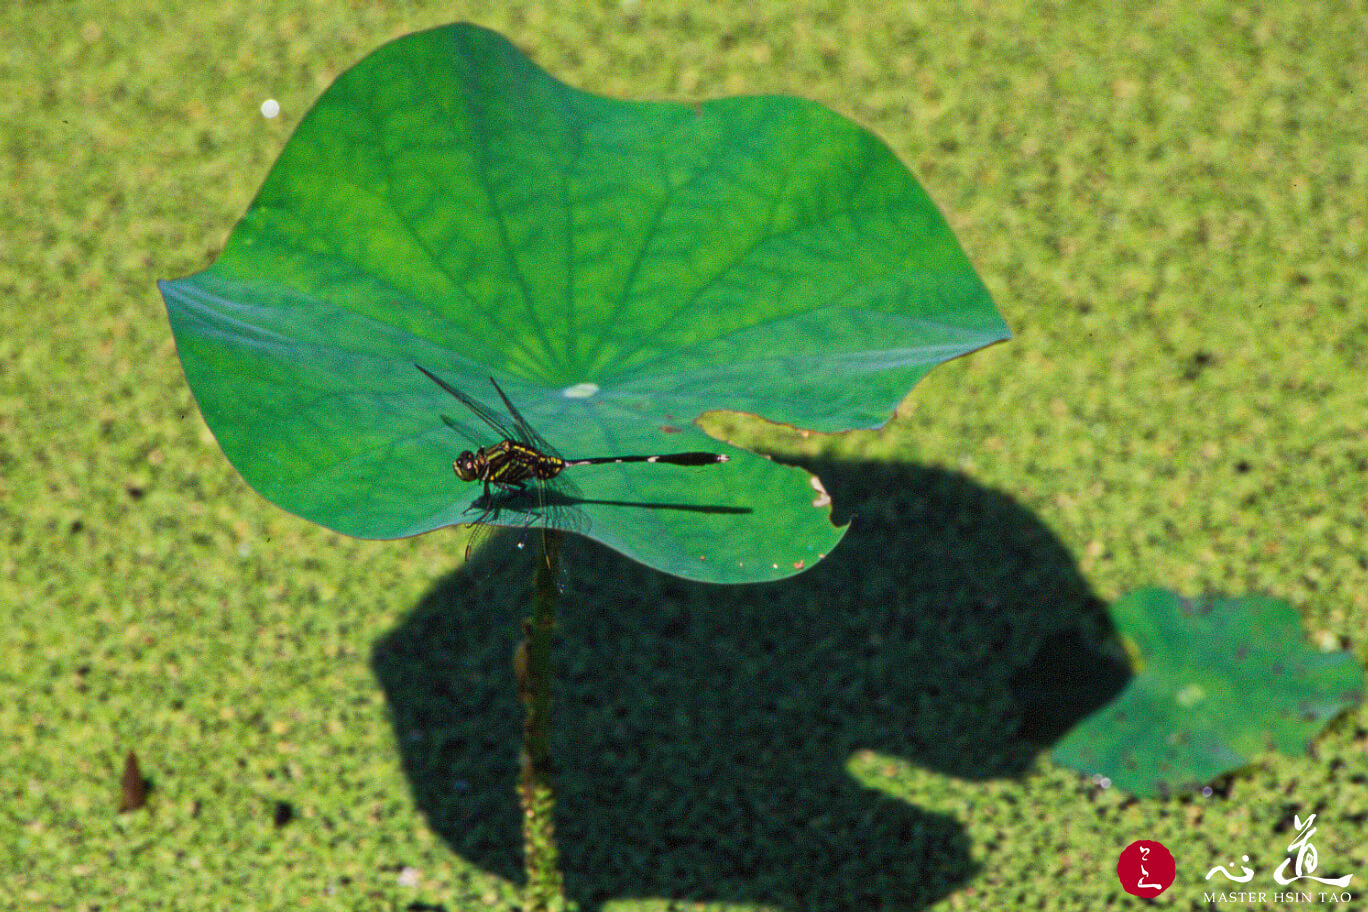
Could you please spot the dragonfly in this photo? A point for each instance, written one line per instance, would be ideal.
(521, 455)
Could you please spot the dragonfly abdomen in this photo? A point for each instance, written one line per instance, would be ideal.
(682, 459)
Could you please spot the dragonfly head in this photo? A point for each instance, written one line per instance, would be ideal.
(466, 466)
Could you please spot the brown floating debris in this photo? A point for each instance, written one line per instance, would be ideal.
(132, 785)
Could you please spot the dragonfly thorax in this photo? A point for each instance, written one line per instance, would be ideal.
(506, 464)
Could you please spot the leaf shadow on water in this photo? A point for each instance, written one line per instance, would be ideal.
(701, 733)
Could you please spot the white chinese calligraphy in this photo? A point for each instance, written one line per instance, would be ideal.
(1306, 858)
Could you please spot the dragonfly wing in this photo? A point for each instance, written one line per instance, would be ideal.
(484, 414)
(526, 433)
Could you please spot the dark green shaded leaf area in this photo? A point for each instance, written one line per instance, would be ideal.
(619, 267)
(1217, 682)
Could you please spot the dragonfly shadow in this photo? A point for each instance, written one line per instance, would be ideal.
(561, 508)
(703, 734)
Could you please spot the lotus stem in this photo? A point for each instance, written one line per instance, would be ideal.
(532, 665)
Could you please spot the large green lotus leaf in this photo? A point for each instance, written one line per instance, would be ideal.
(1218, 682)
(619, 267)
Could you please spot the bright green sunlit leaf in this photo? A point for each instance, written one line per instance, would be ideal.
(619, 267)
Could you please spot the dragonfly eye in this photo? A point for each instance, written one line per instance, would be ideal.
(464, 466)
